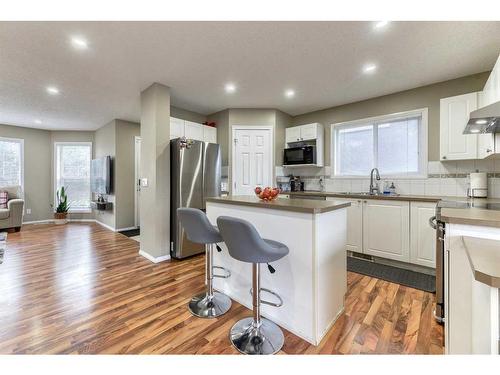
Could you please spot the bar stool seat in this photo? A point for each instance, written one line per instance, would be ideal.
(255, 335)
(198, 228)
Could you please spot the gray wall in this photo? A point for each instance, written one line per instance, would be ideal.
(184, 114)
(125, 172)
(37, 169)
(426, 96)
(105, 145)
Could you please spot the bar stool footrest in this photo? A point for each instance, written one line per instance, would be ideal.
(225, 276)
(279, 304)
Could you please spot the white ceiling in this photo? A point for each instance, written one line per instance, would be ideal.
(322, 61)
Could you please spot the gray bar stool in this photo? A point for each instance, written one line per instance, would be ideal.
(255, 335)
(209, 304)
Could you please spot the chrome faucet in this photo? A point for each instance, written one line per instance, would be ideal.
(374, 188)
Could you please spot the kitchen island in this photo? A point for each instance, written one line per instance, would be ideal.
(311, 279)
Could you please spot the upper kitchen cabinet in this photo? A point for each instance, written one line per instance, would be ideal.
(209, 134)
(193, 130)
(302, 133)
(176, 128)
(292, 134)
(454, 115)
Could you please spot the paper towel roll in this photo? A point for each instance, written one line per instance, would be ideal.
(478, 185)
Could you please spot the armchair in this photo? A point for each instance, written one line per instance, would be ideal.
(12, 216)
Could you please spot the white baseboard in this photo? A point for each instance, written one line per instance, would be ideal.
(106, 226)
(123, 229)
(154, 259)
(38, 222)
(82, 220)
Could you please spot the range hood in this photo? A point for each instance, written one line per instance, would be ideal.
(484, 120)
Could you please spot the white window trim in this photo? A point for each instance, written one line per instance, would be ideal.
(20, 141)
(71, 210)
(423, 141)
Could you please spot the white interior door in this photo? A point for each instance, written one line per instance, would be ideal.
(136, 181)
(252, 159)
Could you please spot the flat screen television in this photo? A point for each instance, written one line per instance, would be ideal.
(100, 175)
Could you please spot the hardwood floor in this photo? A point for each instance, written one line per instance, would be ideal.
(80, 288)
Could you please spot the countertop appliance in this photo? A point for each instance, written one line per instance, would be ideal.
(478, 185)
(296, 184)
(440, 227)
(195, 174)
(300, 155)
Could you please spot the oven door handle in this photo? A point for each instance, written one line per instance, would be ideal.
(432, 222)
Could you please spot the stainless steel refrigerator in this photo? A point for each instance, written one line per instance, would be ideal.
(195, 174)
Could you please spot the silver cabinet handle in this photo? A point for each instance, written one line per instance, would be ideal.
(489, 150)
(444, 157)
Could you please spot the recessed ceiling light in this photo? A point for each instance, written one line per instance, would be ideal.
(381, 24)
(52, 90)
(79, 42)
(290, 93)
(230, 88)
(481, 122)
(38, 122)
(474, 130)
(369, 68)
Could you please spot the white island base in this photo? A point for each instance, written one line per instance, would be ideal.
(311, 279)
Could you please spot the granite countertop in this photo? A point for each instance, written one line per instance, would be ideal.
(484, 259)
(295, 205)
(416, 198)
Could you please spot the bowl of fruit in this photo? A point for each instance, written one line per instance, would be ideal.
(267, 193)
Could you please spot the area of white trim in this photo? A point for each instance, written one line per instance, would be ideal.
(38, 221)
(105, 226)
(152, 258)
(137, 158)
(21, 177)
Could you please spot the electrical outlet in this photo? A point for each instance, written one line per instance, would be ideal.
(28, 211)
(144, 182)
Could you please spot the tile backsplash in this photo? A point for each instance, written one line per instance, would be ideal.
(450, 178)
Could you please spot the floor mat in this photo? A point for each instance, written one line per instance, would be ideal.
(401, 276)
(131, 232)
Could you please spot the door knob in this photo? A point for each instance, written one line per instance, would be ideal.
(489, 150)
(444, 157)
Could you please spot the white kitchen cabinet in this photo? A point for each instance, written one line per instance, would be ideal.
(176, 128)
(193, 130)
(422, 236)
(491, 90)
(292, 134)
(306, 132)
(354, 223)
(386, 229)
(209, 134)
(454, 115)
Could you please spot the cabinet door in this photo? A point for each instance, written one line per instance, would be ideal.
(454, 145)
(292, 134)
(209, 134)
(308, 132)
(422, 236)
(193, 130)
(486, 145)
(386, 229)
(176, 128)
(354, 224)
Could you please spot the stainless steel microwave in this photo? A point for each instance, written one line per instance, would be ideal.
(300, 155)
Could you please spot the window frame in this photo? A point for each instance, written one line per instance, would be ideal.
(423, 143)
(21, 142)
(56, 144)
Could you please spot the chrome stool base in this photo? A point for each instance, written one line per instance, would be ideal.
(267, 338)
(204, 306)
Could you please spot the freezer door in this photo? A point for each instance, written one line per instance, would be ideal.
(186, 172)
(211, 171)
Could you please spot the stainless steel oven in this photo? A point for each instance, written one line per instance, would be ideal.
(300, 155)
(439, 226)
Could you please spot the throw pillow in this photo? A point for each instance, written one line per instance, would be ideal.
(4, 198)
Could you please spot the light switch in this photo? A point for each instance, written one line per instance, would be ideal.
(144, 182)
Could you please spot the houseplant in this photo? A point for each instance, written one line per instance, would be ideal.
(60, 216)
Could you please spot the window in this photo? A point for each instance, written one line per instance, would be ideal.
(395, 144)
(72, 170)
(12, 162)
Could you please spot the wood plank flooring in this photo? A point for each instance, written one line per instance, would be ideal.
(81, 288)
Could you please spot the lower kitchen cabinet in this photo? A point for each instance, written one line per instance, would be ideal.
(386, 229)
(354, 224)
(422, 235)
